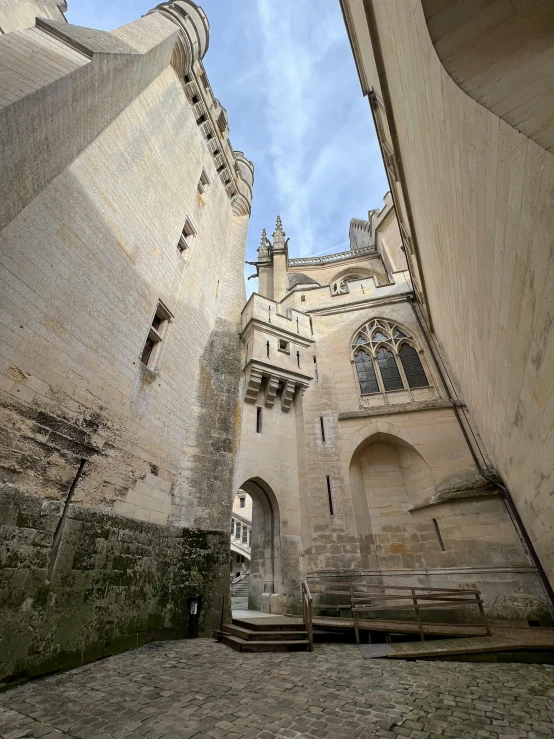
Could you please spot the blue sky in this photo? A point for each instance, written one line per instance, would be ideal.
(284, 71)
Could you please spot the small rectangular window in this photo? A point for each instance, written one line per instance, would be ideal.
(156, 334)
(187, 236)
(203, 183)
(244, 535)
(329, 496)
(438, 533)
(242, 502)
(258, 420)
(322, 429)
(284, 346)
(302, 298)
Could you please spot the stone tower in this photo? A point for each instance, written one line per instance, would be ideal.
(123, 223)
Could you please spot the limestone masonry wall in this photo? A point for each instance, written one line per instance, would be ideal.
(116, 475)
(480, 194)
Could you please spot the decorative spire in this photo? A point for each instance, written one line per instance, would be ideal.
(264, 239)
(279, 235)
(264, 249)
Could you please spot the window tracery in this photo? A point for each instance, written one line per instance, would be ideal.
(386, 359)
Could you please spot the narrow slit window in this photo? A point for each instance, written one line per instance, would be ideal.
(267, 348)
(298, 358)
(311, 326)
(258, 420)
(330, 496)
(217, 290)
(232, 526)
(322, 429)
(187, 236)
(438, 533)
(315, 369)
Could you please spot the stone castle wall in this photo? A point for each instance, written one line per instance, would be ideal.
(480, 195)
(107, 561)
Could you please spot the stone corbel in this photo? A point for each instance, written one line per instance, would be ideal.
(271, 390)
(253, 385)
(287, 395)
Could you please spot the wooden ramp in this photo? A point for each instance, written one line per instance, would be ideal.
(443, 641)
(532, 644)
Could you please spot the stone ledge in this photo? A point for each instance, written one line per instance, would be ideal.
(87, 41)
(453, 496)
(385, 410)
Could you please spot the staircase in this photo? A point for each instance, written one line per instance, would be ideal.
(244, 636)
(240, 588)
(239, 593)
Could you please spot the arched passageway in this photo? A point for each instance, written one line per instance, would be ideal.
(265, 547)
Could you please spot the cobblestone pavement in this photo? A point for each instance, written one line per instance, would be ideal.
(202, 689)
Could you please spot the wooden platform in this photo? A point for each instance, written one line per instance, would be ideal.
(332, 623)
(459, 639)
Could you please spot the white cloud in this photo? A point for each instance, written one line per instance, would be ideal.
(291, 87)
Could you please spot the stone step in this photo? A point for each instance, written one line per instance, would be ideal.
(244, 645)
(276, 624)
(275, 635)
(241, 590)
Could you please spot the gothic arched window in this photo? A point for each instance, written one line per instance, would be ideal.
(386, 359)
(389, 370)
(415, 374)
(366, 373)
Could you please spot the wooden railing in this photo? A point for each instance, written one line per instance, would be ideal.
(360, 598)
(307, 613)
(376, 598)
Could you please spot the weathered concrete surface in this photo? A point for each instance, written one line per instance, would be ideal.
(201, 689)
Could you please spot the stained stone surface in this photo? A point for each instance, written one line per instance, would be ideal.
(201, 689)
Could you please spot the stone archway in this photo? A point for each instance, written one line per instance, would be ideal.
(266, 577)
(387, 477)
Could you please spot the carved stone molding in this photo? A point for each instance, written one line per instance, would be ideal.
(287, 395)
(272, 385)
(253, 382)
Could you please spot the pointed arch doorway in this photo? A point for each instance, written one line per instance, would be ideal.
(265, 556)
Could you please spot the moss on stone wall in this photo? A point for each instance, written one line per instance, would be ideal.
(117, 584)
